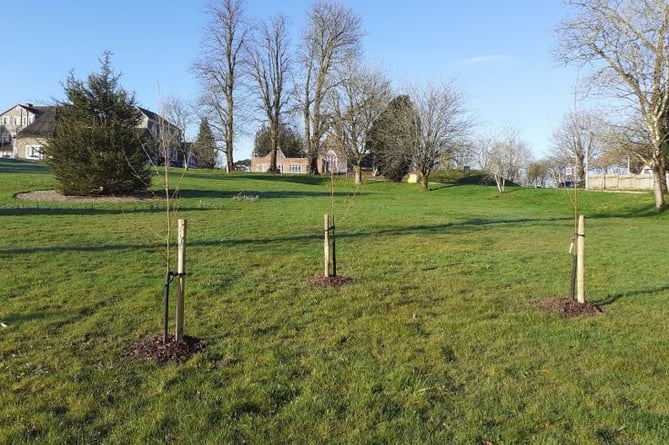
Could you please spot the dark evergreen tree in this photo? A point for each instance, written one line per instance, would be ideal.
(96, 147)
(204, 148)
(290, 142)
(389, 141)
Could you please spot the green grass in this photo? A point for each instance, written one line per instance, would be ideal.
(438, 339)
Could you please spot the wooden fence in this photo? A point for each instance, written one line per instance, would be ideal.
(621, 182)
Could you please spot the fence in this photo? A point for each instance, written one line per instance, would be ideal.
(621, 182)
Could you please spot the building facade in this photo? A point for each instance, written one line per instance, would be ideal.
(12, 122)
(260, 164)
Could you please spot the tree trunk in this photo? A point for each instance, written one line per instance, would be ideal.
(313, 165)
(659, 179)
(358, 174)
(425, 181)
(272, 163)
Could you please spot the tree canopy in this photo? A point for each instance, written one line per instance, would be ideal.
(389, 144)
(290, 142)
(96, 147)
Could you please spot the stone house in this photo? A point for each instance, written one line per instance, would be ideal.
(329, 162)
(12, 121)
(260, 164)
(29, 141)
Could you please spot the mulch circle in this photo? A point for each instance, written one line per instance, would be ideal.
(330, 281)
(570, 308)
(152, 348)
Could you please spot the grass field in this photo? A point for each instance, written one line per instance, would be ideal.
(439, 339)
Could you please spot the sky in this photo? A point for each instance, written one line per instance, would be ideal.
(497, 52)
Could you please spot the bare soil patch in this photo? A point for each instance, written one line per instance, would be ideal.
(570, 308)
(330, 281)
(54, 195)
(153, 348)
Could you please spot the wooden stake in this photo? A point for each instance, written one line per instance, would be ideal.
(326, 245)
(580, 259)
(181, 274)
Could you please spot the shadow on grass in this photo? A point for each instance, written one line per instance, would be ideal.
(610, 299)
(88, 211)
(212, 194)
(15, 166)
(295, 179)
(315, 236)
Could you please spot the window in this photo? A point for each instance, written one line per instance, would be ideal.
(17, 120)
(34, 152)
(25, 120)
(294, 168)
(5, 120)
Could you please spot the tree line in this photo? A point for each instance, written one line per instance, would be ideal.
(324, 83)
(319, 92)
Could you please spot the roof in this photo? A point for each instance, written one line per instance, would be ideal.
(37, 110)
(155, 117)
(42, 125)
(46, 114)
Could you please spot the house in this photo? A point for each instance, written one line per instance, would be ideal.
(260, 164)
(24, 130)
(12, 121)
(328, 162)
(331, 161)
(29, 142)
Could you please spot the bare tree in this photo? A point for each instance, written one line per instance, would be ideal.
(357, 103)
(627, 43)
(175, 117)
(269, 66)
(332, 37)
(626, 143)
(505, 157)
(217, 68)
(576, 140)
(439, 126)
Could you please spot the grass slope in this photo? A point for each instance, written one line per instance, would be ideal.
(438, 339)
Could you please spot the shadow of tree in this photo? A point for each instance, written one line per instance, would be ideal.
(610, 299)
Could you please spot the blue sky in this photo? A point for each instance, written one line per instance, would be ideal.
(498, 52)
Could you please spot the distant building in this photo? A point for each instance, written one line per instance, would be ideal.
(329, 162)
(260, 164)
(12, 121)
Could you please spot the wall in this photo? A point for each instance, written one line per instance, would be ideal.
(23, 142)
(621, 182)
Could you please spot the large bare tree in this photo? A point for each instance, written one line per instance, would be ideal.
(575, 140)
(332, 37)
(626, 143)
(438, 128)
(218, 69)
(269, 66)
(627, 44)
(357, 103)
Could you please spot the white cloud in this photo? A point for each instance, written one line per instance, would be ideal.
(485, 59)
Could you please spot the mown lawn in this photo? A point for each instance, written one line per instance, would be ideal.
(439, 339)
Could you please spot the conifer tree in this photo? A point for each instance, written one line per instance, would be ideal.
(204, 147)
(389, 141)
(96, 147)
